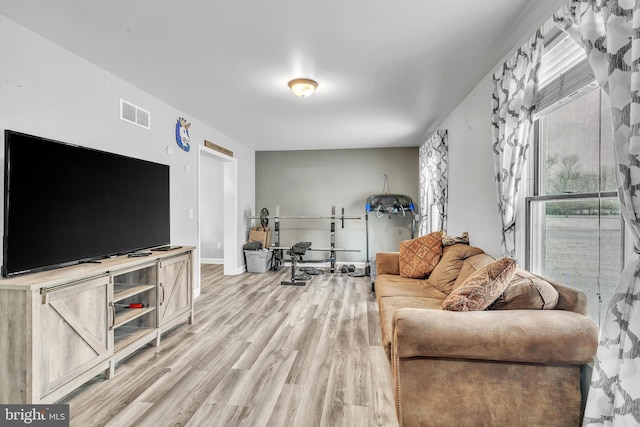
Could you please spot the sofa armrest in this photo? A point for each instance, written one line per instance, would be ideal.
(388, 263)
(534, 336)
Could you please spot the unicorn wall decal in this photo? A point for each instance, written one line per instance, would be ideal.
(182, 134)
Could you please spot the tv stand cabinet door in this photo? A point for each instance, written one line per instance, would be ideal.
(74, 327)
(175, 295)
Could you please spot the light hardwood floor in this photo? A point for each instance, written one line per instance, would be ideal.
(259, 354)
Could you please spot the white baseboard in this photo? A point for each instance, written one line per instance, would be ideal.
(220, 261)
(211, 261)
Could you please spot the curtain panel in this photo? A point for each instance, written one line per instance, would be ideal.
(609, 31)
(515, 86)
(434, 182)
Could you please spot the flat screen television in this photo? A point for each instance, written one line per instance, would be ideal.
(65, 204)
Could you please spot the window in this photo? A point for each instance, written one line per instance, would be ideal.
(575, 230)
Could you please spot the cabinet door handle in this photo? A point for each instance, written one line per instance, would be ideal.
(162, 299)
(113, 315)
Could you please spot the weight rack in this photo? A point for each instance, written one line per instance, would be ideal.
(279, 259)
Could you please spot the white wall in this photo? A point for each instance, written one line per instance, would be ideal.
(211, 210)
(50, 92)
(473, 205)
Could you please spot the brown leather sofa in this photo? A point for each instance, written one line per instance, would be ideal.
(504, 366)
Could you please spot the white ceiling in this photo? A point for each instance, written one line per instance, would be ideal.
(388, 71)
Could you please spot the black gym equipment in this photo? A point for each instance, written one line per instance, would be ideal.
(350, 270)
(279, 250)
(264, 217)
(296, 252)
(387, 204)
(312, 271)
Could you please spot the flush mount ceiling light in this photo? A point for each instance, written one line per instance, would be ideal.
(303, 87)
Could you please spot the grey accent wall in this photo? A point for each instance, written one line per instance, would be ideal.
(309, 183)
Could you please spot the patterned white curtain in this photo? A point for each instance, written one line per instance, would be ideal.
(434, 172)
(610, 33)
(514, 90)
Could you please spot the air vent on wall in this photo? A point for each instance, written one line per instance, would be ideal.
(134, 114)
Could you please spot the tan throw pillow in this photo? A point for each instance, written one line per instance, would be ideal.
(470, 266)
(527, 292)
(483, 287)
(418, 257)
(444, 275)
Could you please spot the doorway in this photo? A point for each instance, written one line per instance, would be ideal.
(217, 211)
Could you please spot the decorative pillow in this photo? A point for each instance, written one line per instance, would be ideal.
(470, 266)
(450, 240)
(527, 292)
(418, 257)
(444, 275)
(483, 287)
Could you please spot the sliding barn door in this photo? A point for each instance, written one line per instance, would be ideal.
(174, 291)
(74, 331)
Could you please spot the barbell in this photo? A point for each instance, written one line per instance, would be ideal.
(264, 217)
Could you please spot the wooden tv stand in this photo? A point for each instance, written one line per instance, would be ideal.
(60, 328)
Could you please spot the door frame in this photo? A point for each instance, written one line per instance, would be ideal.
(229, 209)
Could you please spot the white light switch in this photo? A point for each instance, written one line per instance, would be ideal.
(190, 213)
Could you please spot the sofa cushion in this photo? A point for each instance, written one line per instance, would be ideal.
(391, 285)
(419, 256)
(527, 291)
(470, 266)
(445, 273)
(483, 287)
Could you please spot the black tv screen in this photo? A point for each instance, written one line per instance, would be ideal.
(65, 204)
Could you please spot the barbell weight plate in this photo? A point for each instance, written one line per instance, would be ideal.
(264, 217)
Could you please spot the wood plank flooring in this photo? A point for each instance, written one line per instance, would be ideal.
(259, 354)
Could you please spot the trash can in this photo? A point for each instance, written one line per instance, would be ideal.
(258, 261)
